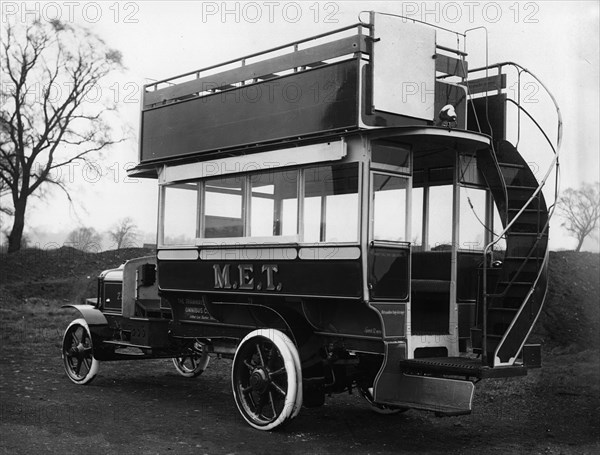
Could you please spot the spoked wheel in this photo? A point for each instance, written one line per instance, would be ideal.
(367, 393)
(194, 363)
(266, 379)
(77, 353)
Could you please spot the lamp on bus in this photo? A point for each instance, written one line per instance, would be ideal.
(447, 113)
(447, 116)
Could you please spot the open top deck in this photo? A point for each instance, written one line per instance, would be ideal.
(362, 76)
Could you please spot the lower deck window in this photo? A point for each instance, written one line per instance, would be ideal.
(223, 208)
(440, 210)
(265, 204)
(180, 214)
(417, 217)
(331, 204)
(389, 212)
(471, 229)
(274, 204)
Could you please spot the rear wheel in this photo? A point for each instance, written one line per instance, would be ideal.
(78, 354)
(193, 363)
(266, 379)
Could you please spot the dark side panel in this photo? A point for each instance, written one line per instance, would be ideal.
(389, 273)
(466, 279)
(319, 100)
(300, 277)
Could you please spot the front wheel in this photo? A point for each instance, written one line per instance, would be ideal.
(266, 379)
(192, 364)
(78, 354)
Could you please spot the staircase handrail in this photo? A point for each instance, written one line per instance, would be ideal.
(242, 60)
(553, 164)
(523, 69)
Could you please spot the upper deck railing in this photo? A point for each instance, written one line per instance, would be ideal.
(295, 56)
(277, 61)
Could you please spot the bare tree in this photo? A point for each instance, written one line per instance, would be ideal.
(25, 241)
(85, 239)
(124, 233)
(51, 113)
(580, 209)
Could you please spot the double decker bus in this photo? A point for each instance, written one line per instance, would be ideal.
(341, 212)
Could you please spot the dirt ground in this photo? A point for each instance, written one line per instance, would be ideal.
(135, 407)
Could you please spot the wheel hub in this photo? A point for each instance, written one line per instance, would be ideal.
(77, 351)
(259, 380)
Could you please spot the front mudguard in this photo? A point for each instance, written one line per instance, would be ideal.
(99, 329)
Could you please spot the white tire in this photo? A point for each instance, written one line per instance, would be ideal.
(266, 379)
(78, 354)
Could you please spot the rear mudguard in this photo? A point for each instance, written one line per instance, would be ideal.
(99, 329)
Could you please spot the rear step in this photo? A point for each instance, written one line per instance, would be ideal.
(459, 366)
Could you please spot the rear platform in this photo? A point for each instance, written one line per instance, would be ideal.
(459, 366)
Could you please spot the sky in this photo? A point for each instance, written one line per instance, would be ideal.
(558, 41)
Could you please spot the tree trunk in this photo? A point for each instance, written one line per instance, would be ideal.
(16, 234)
(580, 240)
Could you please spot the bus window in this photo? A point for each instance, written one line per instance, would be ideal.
(331, 204)
(312, 219)
(389, 211)
(274, 204)
(180, 214)
(440, 217)
(417, 217)
(471, 229)
(497, 229)
(223, 212)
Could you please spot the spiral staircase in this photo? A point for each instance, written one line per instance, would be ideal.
(515, 291)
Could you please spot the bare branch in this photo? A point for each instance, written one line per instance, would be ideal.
(40, 129)
(580, 210)
(85, 239)
(124, 233)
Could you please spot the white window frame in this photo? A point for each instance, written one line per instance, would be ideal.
(408, 206)
(246, 208)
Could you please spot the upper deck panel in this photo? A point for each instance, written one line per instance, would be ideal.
(344, 80)
(265, 111)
